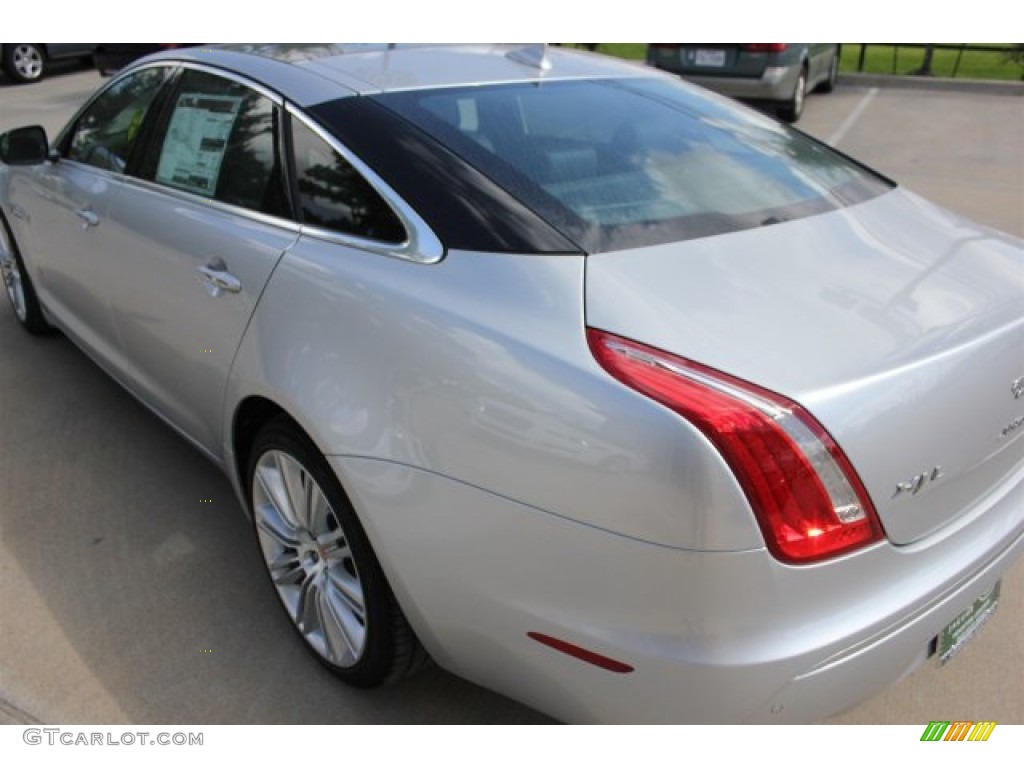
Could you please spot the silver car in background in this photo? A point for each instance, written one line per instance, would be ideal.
(598, 389)
(777, 75)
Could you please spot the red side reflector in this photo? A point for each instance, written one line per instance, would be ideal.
(581, 653)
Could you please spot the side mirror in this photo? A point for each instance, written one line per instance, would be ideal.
(25, 146)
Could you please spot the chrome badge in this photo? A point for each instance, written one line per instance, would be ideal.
(1017, 387)
(917, 483)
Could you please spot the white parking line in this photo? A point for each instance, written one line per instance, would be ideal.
(853, 117)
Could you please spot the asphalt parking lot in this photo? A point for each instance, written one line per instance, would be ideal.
(126, 599)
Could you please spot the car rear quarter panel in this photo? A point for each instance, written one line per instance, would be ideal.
(477, 369)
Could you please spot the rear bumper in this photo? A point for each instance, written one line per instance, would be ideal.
(868, 667)
(776, 84)
(711, 637)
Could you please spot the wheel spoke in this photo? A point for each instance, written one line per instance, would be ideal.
(272, 485)
(12, 277)
(334, 544)
(286, 570)
(340, 629)
(307, 613)
(319, 512)
(269, 522)
(294, 480)
(348, 591)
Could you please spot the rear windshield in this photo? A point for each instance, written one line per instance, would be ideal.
(617, 164)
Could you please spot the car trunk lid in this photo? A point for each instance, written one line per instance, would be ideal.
(898, 325)
(711, 59)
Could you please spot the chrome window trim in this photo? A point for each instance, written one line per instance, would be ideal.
(104, 172)
(421, 244)
(242, 80)
(217, 205)
(287, 224)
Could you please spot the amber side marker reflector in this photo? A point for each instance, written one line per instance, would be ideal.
(581, 653)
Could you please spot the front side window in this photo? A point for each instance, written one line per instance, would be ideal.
(222, 141)
(106, 132)
(333, 195)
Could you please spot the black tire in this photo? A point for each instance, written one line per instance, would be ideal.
(17, 285)
(390, 649)
(791, 110)
(24, 62)
(829, 83)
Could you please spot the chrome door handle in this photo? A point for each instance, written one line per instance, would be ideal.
(218, 280)
(89, 219)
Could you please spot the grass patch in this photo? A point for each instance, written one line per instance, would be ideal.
(632, 51)
(889, 59)
(883, 60)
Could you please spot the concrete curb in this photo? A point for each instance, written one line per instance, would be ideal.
(962, 85)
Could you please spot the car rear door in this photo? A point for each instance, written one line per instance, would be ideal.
(195, 238)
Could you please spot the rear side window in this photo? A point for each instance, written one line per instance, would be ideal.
(333, 195)
(632, 162)
(222, 141)
(106, 132)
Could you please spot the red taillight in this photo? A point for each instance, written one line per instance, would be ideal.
(806, 496)
(764, 47)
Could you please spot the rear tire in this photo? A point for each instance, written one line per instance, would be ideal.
(321, 564)
(829, 83)
(18, 286)
(24, 62)
(791, 110)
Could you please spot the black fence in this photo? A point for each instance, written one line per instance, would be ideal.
(1008, 51)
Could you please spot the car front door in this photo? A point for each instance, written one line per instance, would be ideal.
(65, 207)
(196, 236)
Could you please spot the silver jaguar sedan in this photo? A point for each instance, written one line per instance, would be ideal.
(596, 388)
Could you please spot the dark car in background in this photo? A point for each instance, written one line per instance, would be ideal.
(778, 75)
(29, 62)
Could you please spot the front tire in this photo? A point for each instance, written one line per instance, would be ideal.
(24, 62)
(18, 286)
(321, 564)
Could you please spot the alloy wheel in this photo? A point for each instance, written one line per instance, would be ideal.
(28, 61)
(800, 94)
(11, 275)
(308, 556)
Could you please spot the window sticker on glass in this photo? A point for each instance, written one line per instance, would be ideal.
(197, 138)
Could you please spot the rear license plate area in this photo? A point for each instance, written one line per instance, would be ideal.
(965, 626)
